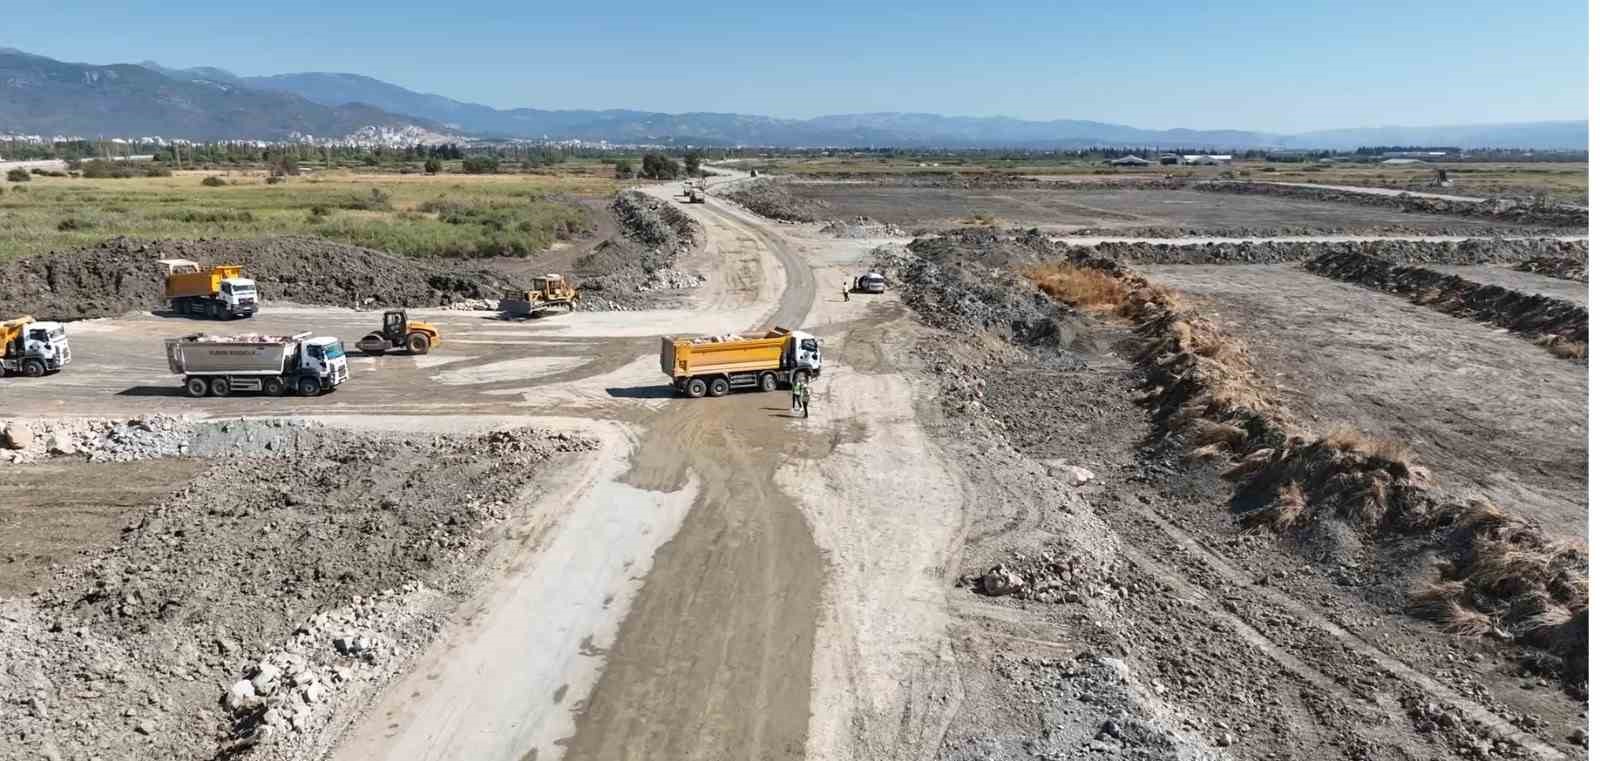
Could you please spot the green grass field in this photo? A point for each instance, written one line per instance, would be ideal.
(415, 215)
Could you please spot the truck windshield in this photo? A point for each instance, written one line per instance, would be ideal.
(333, 351)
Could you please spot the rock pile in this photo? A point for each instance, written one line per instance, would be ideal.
(1471, 251)
(861, 227)
(1054, 575)
(634, 270)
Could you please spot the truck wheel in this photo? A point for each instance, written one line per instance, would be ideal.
(308, 387)
(418, 343)
(272, 386)
(719, 387)
(195, 386)
(214, 310)
(33, 368)
(769, 382)
(219, 387)
(696, 388)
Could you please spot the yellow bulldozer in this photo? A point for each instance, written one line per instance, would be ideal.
(549, 293)
(415, 336)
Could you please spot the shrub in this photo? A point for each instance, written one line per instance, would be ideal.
(73, 223)
(157, 170)
(18, 175)
(377, 200)
(433, 166)
(209, 216)
(624, 169)
(659, 167)
(273, 179)
(480, 165)
(213, 181)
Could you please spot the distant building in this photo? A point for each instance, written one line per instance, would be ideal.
(1130, 160)
(1399, 162)
(1193, 159)
(1170, 158)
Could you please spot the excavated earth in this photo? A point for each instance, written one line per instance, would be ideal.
(1227, 642)
(122, 275)
(279, 573)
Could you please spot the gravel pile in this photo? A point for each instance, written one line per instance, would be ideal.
(299, 571)
(121, 275)
(636, 269)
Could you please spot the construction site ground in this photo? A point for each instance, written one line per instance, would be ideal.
(718, 579)
(1343, 354)
(1057, 210)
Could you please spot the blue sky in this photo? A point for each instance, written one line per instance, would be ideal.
(1277, 66)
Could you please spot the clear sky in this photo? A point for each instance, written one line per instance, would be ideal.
(1273, 66)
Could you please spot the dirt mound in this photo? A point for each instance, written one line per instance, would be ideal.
(1504, 210)
(121, 275)
(632, 270)
(1471, 251)
(771, 200)
(971, 284)
(286, 583)
(1556, 266)
(1561, 326)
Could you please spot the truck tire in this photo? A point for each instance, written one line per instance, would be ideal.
(220, 387)
(33, 368)
(272, 387)
(214, 310)
(769, 382)
(418, 343)
(308, 387)
(695, 388)
(719, 387)
(196, 387)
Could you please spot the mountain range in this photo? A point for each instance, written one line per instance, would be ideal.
(40, 95)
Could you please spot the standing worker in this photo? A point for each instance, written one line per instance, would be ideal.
(800, 396)
(847, 290)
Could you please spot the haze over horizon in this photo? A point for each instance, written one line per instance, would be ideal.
(1335, 65)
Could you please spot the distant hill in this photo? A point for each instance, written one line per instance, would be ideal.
(884, 129)
(41, 95)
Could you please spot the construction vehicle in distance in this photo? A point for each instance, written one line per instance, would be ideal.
(32, 348)
(549, 293)
(695, 194)
(221, 365)
(415, 336)
(219, 293)
(715, 365)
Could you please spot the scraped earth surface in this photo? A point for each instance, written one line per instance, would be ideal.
(918, 570)
(1527, 282)
(1341, 353)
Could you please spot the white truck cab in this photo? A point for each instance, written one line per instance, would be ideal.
(323, 356)
(33, 348)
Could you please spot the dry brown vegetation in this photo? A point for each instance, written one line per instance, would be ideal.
(1079, 286)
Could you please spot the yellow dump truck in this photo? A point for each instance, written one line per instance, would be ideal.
(715, 365)
(219, 293)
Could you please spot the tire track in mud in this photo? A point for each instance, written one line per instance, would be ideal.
(714, 658)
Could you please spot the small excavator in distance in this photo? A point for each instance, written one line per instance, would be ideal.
(415, 336)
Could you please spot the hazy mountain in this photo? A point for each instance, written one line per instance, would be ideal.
(902, 129)
(41, 95)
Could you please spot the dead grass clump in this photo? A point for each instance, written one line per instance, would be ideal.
(1440, 602)
(1203, 432)
(1350, 439)
(1081, 287)
(1564, 348)
(1282, 513)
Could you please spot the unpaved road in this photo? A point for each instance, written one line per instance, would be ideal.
(724, 581)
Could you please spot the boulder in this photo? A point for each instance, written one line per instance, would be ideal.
(61, 444)
(266, 678)
(1001, 581)
(240, 695)
(16, 436)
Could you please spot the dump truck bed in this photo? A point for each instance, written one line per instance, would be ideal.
(685, 356)
(233, 355)
(196, 284)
